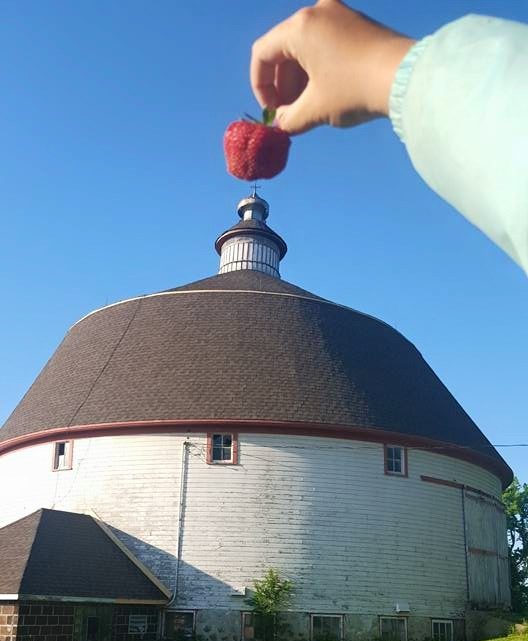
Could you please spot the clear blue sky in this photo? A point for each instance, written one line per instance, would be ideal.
(112, 184)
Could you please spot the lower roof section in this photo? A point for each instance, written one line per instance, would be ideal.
(57, 555)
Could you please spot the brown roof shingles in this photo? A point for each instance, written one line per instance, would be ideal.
(55, 553)
(16, 541)
(242, 345)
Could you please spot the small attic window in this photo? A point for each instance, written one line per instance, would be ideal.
(62, 455)
(395, 460)
(222, 448)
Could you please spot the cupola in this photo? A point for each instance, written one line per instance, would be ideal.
(251, 244)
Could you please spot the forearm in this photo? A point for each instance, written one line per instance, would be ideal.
(459, 102)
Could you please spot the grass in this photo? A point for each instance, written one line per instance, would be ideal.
(512, 637)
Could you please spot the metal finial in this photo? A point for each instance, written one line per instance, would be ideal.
(254, 192)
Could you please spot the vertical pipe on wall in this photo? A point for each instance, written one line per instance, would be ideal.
(181, 515)
(466, 550)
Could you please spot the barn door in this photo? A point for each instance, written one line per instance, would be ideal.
(488, 570)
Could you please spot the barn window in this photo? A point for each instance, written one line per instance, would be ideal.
(393, 628)
(222, 448)
(395, 460)
(327, 627)
(62, 455)
(442, 630)
(137, 624)
(179, 625)
(248, 626)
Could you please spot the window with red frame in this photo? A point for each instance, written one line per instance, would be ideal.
(222, 448)
(62, 455)
(395, 460)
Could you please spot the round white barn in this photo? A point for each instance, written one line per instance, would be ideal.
(240, 423)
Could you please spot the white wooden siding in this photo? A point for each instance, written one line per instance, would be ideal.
(250, 252)
(322, 511)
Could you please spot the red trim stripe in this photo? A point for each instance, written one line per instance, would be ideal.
(431, 479)
(183, 426)
(462, 486)
(481, 552)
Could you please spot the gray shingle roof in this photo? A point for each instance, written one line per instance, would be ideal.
(54, 553)
(242, 345)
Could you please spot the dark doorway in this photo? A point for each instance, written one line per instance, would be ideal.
(93, 623)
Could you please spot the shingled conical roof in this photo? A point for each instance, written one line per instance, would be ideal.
(244, 346)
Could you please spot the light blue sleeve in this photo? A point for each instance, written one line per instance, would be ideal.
(459, 102)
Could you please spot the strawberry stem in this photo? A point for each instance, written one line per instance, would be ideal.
(268, 116)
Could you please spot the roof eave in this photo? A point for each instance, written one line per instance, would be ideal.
(84, 599)
(133, 559)
(270, 234)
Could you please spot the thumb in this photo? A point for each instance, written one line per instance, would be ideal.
(301, 115)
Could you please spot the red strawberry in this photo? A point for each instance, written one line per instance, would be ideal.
(255, 149)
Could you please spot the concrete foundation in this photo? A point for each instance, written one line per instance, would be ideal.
(226, 625)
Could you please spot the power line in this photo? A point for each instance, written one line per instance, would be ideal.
(510, 445)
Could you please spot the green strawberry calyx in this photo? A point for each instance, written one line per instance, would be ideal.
(268, 116)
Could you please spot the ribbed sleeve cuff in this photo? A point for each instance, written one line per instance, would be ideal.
(400, 84)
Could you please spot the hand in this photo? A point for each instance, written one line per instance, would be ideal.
(326, 64)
